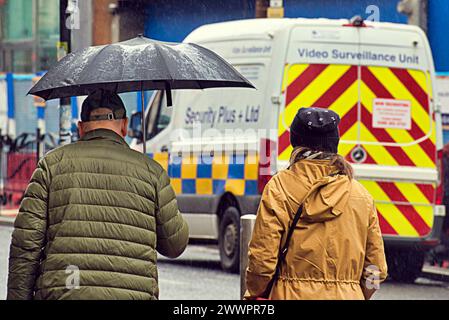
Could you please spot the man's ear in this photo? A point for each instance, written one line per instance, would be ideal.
(124, 128)
(80, 129)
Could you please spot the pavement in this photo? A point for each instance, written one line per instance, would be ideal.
(7, 216)
(7, 220)
(8, 212)
(197, 275)
(436, 273)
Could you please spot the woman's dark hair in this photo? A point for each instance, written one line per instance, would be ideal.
(336, 160)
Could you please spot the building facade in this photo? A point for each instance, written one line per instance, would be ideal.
(28, 32)
(170, 20)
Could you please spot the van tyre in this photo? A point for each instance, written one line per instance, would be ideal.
(229, 240)
(405, 265)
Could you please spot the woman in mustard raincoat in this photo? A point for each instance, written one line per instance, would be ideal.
(336, 250)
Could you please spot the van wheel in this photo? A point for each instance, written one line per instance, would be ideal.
(405, 265)
(229, 239)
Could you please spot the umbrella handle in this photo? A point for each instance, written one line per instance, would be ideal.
(144, 135)
(169, 96)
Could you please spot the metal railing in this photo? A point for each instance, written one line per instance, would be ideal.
(18, 158)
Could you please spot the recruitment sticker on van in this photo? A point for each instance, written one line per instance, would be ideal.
(392, 114)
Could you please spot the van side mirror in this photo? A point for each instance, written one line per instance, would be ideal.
(135, 126)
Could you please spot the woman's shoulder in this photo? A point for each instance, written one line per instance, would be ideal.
(285, 183)
(276, 181)
(358, 190)
(286, 177)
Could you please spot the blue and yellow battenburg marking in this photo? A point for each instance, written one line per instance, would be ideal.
(207, 175)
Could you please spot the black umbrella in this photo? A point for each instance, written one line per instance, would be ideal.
(138, 64)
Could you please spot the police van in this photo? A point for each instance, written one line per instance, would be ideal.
(221, 146)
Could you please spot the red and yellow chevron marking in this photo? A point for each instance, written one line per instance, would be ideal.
(404, 209)
(398, 84)
(338, 88)
(331, 86)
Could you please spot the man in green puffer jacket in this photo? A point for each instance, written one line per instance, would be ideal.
(94, 215)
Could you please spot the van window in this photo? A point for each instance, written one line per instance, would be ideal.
(159, 116)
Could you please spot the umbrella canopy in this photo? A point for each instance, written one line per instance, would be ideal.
(136, 65)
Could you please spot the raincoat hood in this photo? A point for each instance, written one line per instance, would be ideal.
(327, 198)
(326, 193)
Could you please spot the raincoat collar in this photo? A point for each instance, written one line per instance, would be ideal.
(104, 134)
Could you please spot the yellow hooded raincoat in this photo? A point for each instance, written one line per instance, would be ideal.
(336, 245)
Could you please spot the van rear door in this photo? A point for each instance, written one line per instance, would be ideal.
(313, 78)
(379, 81)
(397, 138)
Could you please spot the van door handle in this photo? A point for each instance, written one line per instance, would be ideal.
(164, 149)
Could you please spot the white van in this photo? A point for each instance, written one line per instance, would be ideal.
(379, 77)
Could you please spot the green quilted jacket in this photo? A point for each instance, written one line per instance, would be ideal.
(90, 223)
